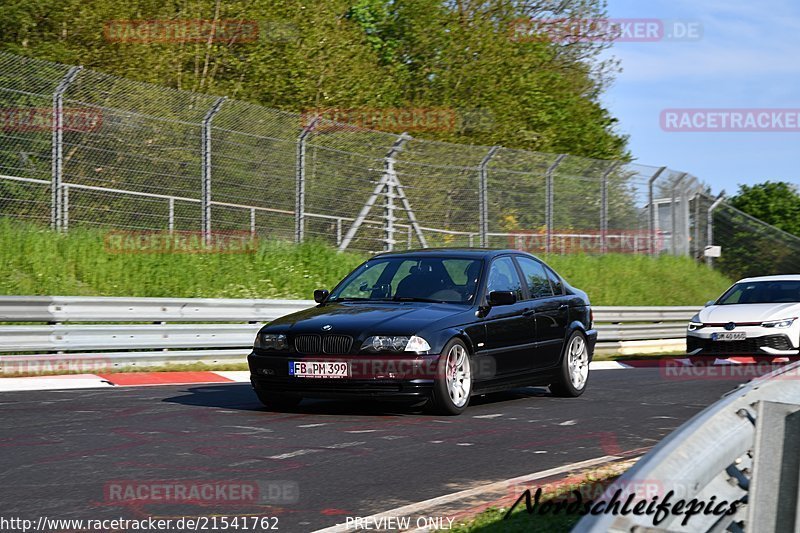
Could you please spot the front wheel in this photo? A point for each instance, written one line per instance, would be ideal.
(453, 385)
(574, 371)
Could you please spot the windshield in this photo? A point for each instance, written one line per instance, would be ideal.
(429, 279)
(762, 292)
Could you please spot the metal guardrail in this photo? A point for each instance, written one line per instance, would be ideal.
(87, 324)
(741, 449)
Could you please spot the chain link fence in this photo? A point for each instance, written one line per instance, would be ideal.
(83, 149)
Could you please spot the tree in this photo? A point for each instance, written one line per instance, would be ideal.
(774, 202)
(522, 91)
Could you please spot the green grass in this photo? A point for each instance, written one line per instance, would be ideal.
(36, 261)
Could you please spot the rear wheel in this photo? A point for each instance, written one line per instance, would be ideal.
(574, 371)
(278, 402)
(453, 385)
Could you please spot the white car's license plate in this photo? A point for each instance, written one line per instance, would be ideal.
(729, 336)
(319, 369)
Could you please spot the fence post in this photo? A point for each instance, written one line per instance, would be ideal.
(388, 184)
(652, 222)
(548, 208)
(300, 183)
(171, 223)
(57, 155)
(206, 169)
(673, 221)
(710, 225)
(604, 205)
(65, 211)
(483, 196)
(390, 194)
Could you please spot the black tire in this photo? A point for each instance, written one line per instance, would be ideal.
(444, 400)
(278, 402)
(564, 386)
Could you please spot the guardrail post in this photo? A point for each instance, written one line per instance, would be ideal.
(674, 222)
(652, 221)
(710, 225)
(390, 193)
(548, 208)
(483, 196)
(773, 502)
(604, 205)
(300, 182)
(57, 155)
(206, 169)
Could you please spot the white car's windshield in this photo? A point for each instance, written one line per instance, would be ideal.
(762, 292)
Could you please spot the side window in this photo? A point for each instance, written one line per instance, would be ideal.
(558, 285)
(503, 277)
(536, 278)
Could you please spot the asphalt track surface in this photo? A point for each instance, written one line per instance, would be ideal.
(61, 450)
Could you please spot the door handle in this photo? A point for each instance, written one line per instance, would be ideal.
(528, 313)
(563, 306)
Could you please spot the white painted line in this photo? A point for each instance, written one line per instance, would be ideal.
(363, 431)
(71, 381)
(488, 416)
(313, 425)
(420, 508)
(239, 376)
(295, 453)
(607, 365)
(343, 445)
(568, 423)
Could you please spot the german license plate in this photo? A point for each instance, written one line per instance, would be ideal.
(319, 369)
(729, 336)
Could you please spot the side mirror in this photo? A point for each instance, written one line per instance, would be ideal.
(502, 298)
(710, 303)
(320, 295)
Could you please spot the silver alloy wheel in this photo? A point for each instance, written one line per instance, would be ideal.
(457, 375)
(578, 362)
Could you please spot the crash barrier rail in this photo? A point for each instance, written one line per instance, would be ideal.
(225, 328)
(741, 449)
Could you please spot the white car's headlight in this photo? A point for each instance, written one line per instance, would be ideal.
(271, 341)
(784, 323)
(402, 343)
(695, 323)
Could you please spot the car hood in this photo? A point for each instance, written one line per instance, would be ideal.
(722, 314)
(355, 318)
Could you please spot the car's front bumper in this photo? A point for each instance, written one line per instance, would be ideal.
(400, 378)
(759, 341)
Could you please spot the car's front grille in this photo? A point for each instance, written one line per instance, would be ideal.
(748, 346)
(329, 344)
(309, 344)
(337, 344)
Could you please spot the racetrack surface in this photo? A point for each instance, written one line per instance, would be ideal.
(62, 450)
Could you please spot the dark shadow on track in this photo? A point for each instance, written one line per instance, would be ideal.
(240, 396)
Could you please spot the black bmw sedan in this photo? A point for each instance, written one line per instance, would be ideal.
(438, 324)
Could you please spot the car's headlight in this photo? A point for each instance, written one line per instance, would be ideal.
(695, 323)
(785, 323)
(402, 343)
(271, 341)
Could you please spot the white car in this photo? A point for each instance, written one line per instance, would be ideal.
(757, 316)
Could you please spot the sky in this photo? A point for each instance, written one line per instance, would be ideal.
(742, 55)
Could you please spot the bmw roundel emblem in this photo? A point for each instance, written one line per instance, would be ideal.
(327, 327)
(730, 326)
